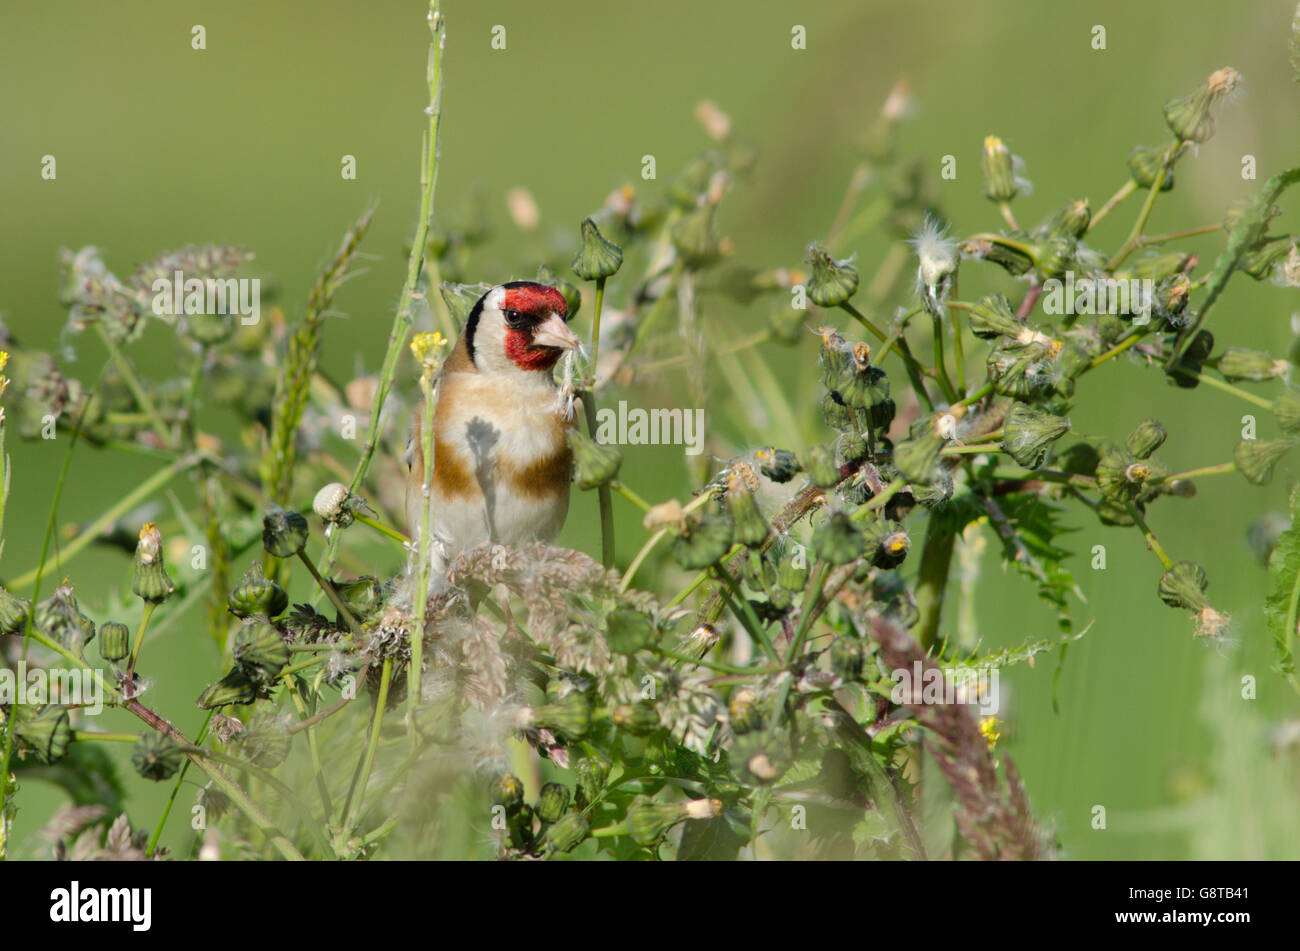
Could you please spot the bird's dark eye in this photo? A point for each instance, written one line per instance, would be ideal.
(514, 319)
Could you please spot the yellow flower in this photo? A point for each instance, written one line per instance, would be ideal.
(426, 347)
(989, 730)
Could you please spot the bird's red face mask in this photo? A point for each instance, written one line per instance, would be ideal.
(536, 335)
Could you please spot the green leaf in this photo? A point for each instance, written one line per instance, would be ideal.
(1036, 524)
(1283, 601)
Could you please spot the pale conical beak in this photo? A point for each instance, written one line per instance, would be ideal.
(554, 332)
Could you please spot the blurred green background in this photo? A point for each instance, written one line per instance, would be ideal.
(159, 145)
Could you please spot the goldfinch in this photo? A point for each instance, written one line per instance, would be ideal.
(501, 460)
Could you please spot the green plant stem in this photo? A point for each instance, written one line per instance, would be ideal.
(631, 496)
(1123, 192)
(284, 789)
(415, 675)
(362, 778)
(971, 450)
(651, 542)
(1222, 468)
(932, 582)
(234, 792)
(1226, 387)
(807, 614)
(176, 788)
(604, 497)
(977, 395)
(138, 392)
(79, 736)
(1148, 240)
(139, 637)
(1005, 208)
(353, 624)
(1115, 351)
(744, 611)
(940, 366)
(1150, 537)
(111, 514)
(381, 527)
(1135, 236)
(403, 320)
(595, 330)
(959, 353)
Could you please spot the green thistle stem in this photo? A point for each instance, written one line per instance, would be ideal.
(362, 779)
(381, 527)
(112, 514)
(1150, 537)
(149, 607)
(138, 392)
(330, 593)
(1123, 192)
(1135, 236)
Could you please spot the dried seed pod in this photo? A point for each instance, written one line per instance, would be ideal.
(1184, 586)
(597, 257)
(567, 833)
(59, 617)
(1028, 434)
(1191, 117)
(43, 733)
(151, 583)
(819, 461)
(837, 540)
(234, 689)
(1144, 164)
(266, 740)
(832, 282)
(695, 237)
(1146, 438)
(648, 821)
(1072, 220)
(508, 791)
(114, 641)
(260, 652)
(1121, 475)
(156, 756)
(1255, 366)
(597, 464)
(1286, 409)
(706, 541)
(13, 612)
(257, 594)
(570, 716)
(1256, 458)
(750, 527)
(886, 543)
(284, 533)
(991, 316)
(999, 167)
(553, 802)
